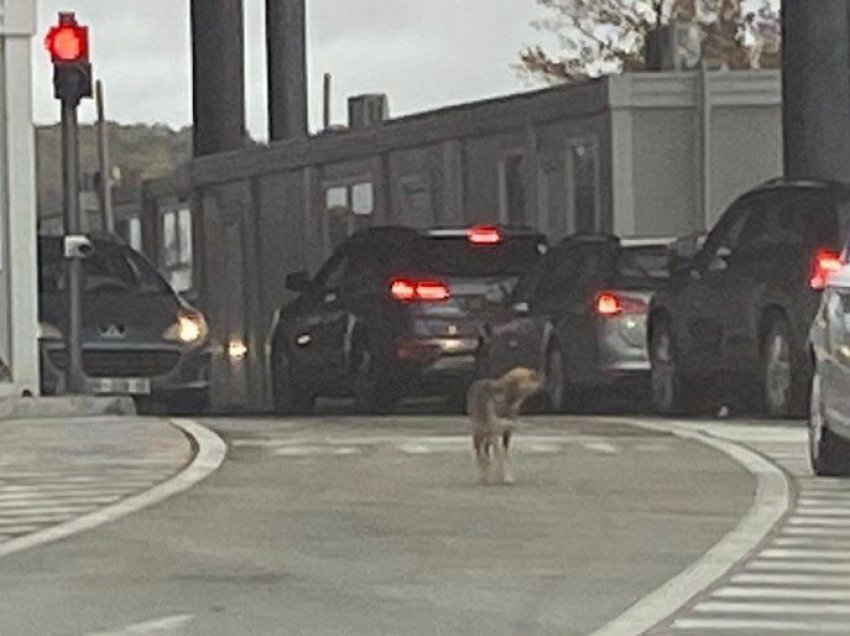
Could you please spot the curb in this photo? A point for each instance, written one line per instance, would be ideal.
(210, 453)
(772, 501)
(20, 408)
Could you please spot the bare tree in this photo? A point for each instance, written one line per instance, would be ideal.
(596, 37)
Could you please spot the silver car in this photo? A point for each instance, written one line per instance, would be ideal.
(829, 421)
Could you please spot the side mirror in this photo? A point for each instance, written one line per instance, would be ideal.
(522, 308)
(298, 282)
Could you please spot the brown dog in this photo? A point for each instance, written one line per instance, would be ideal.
(492, 405)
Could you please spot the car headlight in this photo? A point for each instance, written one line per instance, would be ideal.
(190, 329)
(46, 331)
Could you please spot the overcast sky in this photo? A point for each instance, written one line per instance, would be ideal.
(423, 53)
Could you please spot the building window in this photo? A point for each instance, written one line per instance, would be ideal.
(131, 231)
(348, 208)
(177, 257)
(584, 161)
(512, 185)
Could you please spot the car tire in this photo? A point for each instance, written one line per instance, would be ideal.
(668, 388)
(288, 397)
(560, 394)
(829, 454)
(374, 391)
(782, 383)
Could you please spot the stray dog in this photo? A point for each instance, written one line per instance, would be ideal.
(492, 405)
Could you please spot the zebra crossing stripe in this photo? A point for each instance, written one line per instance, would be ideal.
(800, 553)
(825, 580)
(735, 607)
(816, 532)
(748, 625)
(798, 566)
(745, 592)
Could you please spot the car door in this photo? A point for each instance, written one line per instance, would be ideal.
(702, 301)
(321, 323)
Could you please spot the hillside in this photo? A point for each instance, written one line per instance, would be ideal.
(140, 151)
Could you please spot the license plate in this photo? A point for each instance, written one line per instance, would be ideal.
(120, 386)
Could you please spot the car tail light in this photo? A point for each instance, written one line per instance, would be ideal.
(826, 262)
(405, 290)
(611, 304)
(484, 235)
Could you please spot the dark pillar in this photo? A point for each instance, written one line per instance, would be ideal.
(286, 33)
(816, 89)
(218, 75)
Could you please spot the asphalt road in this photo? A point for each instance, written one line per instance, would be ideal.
(354, 526)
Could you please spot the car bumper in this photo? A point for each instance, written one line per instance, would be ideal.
(158, 372)
(436, 364)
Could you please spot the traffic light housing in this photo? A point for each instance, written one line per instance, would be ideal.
(68, 45)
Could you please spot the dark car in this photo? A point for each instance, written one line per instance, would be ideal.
(139, 338)
(395, 313)
(734, 323)
(580, 316)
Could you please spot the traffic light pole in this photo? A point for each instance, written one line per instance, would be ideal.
(76, 378)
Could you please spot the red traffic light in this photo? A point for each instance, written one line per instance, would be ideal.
(68, 42)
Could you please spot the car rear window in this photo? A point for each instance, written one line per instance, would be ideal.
(456, 256)
(644, 265)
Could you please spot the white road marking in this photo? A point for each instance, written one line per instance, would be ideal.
(819, 522)
(771, 502)
(211, 451)
(798, 566)
(167, 625)
(816, 532)
(748, 625)
(811, 542)
(307, 451)
(824, 580)
(787, 593)
(601, 447)
(734, 607)
(799, 553)
(811, 511)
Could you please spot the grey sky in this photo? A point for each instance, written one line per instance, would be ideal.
(423, 54)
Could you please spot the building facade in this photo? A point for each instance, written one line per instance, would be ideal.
(655, 154)
(18, 268)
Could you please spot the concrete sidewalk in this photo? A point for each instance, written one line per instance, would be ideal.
(56, 469)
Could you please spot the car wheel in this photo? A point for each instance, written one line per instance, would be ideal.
(373, 390)
(782, 383)
(557, 388)
(666, 383)
(289, 398)
(829, 454)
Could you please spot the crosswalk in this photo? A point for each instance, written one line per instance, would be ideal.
(798, 582)
(52, 473)
(420, 446)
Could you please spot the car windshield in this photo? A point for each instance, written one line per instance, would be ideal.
(110, 269)
(456, 256)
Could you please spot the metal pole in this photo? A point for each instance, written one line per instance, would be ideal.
(76, 379)
(105, 185)
(326, 102)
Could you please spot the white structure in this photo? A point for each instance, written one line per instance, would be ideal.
(18, 266)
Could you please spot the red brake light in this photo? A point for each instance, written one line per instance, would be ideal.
(611, 304)
(484, 235)
(826, 263)
(608, 304)
(405, 290)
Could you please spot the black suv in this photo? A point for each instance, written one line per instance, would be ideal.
(734, 322)
(395, 313)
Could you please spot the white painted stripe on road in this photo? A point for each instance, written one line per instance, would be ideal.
(35, 493)
(313, 451)
(745, 625)
(601, 447)
(788, 594)
(800, 553)
(816, 532)
(211, 451)
(733, 607)
(45, 517)
(819, 522)
(49, 501)
(821, 511)
(168, 625)
(38, 509)
(812, 542)
(798, 566)
(823, 580)
(771, 502)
